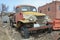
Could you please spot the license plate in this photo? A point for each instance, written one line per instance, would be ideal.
(36, 25)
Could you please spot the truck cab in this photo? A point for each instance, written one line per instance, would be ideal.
(27, 19)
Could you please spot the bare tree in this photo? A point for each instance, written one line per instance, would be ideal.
(4, 8)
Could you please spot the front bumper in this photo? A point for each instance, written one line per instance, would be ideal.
(38, 28)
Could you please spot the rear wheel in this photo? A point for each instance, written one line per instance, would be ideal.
(24, 32)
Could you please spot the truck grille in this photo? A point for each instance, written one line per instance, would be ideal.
(40, 20)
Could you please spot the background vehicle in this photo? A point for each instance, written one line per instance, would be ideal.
(53, 12)
(28, 20)
(56, 24)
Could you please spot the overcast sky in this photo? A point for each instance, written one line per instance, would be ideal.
(12, 3)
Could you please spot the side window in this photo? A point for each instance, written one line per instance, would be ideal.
(18, 9)
(48, 8)
(24, 9)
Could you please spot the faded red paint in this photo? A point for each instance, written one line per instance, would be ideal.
(56, 25)
(19, 16)
(38, 28)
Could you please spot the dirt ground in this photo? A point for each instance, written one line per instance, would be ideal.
(8, 33)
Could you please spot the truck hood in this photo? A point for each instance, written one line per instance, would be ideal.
(34, 13)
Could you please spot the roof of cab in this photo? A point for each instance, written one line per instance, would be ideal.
(23, 5)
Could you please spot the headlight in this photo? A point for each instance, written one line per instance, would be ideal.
(31, 19)
(47, 19)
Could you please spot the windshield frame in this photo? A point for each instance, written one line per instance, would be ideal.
(28, 10)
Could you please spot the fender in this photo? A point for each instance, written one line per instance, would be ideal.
(19, 16)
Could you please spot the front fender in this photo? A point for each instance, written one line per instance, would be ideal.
(25, 21)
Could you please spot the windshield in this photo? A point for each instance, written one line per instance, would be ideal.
(26, 8)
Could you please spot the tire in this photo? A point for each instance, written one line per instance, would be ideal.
(24, 32)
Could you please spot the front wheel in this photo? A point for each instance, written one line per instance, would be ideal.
(24, 32)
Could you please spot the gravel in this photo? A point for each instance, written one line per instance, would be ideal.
(8, 33)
